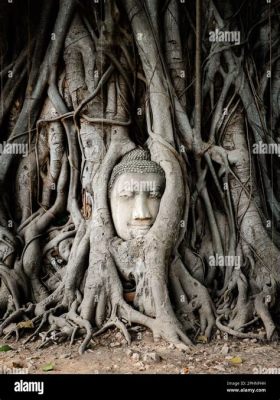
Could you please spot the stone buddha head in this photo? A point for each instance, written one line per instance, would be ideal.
(135, 189)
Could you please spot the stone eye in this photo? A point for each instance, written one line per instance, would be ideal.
(155, 195)
(126, 195)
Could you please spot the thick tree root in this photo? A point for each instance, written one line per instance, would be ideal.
(232, 332)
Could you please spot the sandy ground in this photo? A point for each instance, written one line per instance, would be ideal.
(111, 355)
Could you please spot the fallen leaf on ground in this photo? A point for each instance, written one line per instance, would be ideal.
(202, 339)
(48, 367)
(25, 324)
(18, 364)
(5, 347)
(236, 360)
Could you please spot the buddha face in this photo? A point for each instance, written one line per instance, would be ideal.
(135, 200)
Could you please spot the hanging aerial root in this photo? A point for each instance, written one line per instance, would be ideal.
(81, 323)
(263, 312)
(199, 298)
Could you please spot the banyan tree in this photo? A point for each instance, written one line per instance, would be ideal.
(130, 191)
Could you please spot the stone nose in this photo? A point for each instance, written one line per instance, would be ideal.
(141, 210)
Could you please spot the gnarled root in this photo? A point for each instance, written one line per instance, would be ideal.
(193, 296)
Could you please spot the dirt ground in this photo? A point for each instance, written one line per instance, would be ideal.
(110, 354)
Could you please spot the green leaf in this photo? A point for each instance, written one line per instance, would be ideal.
(48, 367)
(5, 347)
(236, 360)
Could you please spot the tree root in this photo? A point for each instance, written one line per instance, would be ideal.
(196, 294)
(232, 332)
(114, 321)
